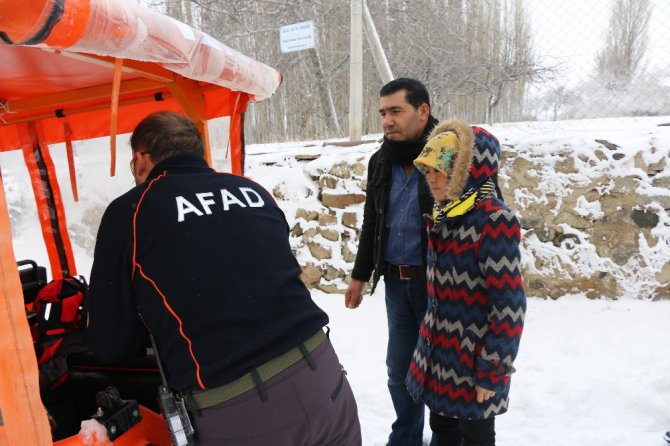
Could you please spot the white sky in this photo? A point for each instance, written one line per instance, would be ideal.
(571, 32)
(589, 373)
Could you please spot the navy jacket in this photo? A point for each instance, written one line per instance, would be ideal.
(204, 259)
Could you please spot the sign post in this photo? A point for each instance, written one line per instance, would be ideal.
(356, 72)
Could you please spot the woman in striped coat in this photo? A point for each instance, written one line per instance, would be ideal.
(470, 335)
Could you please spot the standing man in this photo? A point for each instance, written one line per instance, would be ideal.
(393, 241)
(202, 261)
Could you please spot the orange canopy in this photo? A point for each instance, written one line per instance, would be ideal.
(80, 69)
(60, 56)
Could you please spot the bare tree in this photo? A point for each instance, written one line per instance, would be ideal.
(501, 58)
(475, 57)
(626, 40)
(180, 10)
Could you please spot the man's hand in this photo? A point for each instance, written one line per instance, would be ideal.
(353, 296)
(483, 394)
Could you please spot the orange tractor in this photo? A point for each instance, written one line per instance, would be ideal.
(73, 70)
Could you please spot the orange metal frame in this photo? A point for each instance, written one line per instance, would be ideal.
(22, 417)
(29, 114)
(48, 199)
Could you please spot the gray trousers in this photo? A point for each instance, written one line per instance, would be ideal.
(305, 407)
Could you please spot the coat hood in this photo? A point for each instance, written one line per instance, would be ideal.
(476, 159)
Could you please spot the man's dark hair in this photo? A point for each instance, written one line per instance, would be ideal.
(417, 93)
(164, 134)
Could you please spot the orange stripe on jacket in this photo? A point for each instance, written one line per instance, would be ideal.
(156, 287)
(181, 327)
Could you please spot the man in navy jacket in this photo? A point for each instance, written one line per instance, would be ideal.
(202, 261)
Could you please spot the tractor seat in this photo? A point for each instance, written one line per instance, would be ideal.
(33, 278)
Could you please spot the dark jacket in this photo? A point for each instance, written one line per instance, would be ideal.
(204, 258)
(372, 241)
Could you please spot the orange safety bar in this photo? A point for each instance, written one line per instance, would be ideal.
(116, 88)
(49, 202)
(70, 161)
(236, 135)
(56, 23)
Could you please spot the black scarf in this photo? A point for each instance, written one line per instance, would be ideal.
(403, 153)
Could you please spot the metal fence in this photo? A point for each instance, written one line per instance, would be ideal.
(482, 60)
(573, 35)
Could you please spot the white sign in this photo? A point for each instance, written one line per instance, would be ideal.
(296, 37)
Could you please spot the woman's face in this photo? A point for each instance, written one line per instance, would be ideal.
(437, 182)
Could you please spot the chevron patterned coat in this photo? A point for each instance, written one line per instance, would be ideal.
(470, 334)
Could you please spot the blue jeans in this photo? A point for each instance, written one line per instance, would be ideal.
(406, 302)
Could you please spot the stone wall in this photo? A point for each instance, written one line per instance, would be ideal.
(595, 218)
(327, 237)
(591, 224)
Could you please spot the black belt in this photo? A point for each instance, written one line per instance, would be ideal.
(407, 272)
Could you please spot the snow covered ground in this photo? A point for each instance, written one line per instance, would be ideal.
(590, 372)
